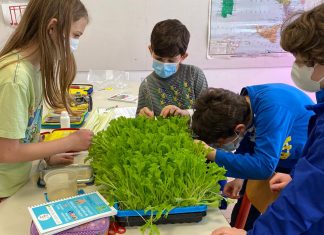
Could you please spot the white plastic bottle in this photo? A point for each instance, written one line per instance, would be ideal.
(65, 119)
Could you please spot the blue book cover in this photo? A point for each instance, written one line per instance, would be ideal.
(56, 216)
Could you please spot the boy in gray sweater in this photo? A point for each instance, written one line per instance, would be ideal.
(173, 87)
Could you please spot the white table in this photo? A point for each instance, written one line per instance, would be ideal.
(15, 218)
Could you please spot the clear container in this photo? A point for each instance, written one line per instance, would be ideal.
(84, 172)
(61, 183)
(107, 79)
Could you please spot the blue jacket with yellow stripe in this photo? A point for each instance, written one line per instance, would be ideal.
(275, 138)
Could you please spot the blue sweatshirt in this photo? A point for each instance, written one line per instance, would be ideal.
(320, 96)
(277, 134)
(300, 208)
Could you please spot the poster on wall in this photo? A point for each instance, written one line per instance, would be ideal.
(250, 27)
(12, 12)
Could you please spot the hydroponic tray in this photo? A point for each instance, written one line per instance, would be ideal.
(188, 214)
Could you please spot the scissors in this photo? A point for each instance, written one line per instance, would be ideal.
(115, 228)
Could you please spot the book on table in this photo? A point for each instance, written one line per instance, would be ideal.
(56, 216)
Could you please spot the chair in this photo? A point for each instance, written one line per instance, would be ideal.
(243, 213)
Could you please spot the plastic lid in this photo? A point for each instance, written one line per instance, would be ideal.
(61, 174)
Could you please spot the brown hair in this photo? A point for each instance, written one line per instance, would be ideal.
(170, 38)
(217, 112)
(303, 36)
(57, 64)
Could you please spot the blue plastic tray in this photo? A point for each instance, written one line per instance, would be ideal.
(177, 210)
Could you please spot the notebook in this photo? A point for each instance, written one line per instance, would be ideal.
(57, 216)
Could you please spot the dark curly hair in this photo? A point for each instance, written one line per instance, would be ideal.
(170, 38)
(217, 112)
(303, 35)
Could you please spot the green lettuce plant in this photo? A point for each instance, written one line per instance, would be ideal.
(153, 165)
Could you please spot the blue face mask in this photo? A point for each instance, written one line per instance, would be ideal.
(164, 70)
(74, 43)
(233, 145)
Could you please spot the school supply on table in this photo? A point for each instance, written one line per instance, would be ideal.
(57, 134)
(82, 96)
(123, 97)
(52, 119)
(56, 216)
(115, 228)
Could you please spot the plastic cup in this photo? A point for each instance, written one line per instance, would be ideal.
(61, 183)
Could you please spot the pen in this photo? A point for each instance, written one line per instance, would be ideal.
(111, 107)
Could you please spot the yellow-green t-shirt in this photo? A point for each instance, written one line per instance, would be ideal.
(20, 115)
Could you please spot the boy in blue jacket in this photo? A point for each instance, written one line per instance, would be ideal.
(299, 208)
(265, 124)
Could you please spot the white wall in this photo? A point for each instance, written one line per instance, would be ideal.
(119, 33)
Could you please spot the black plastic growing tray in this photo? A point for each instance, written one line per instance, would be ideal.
(177, 215)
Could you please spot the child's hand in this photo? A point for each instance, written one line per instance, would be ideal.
(146, 112)
(80, 140)
(61, 159)
(232, 189)
(279, 181)
(212, 152)
(172, 110)
(228, 231)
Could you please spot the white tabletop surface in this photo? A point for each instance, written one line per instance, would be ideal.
(15, 218)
